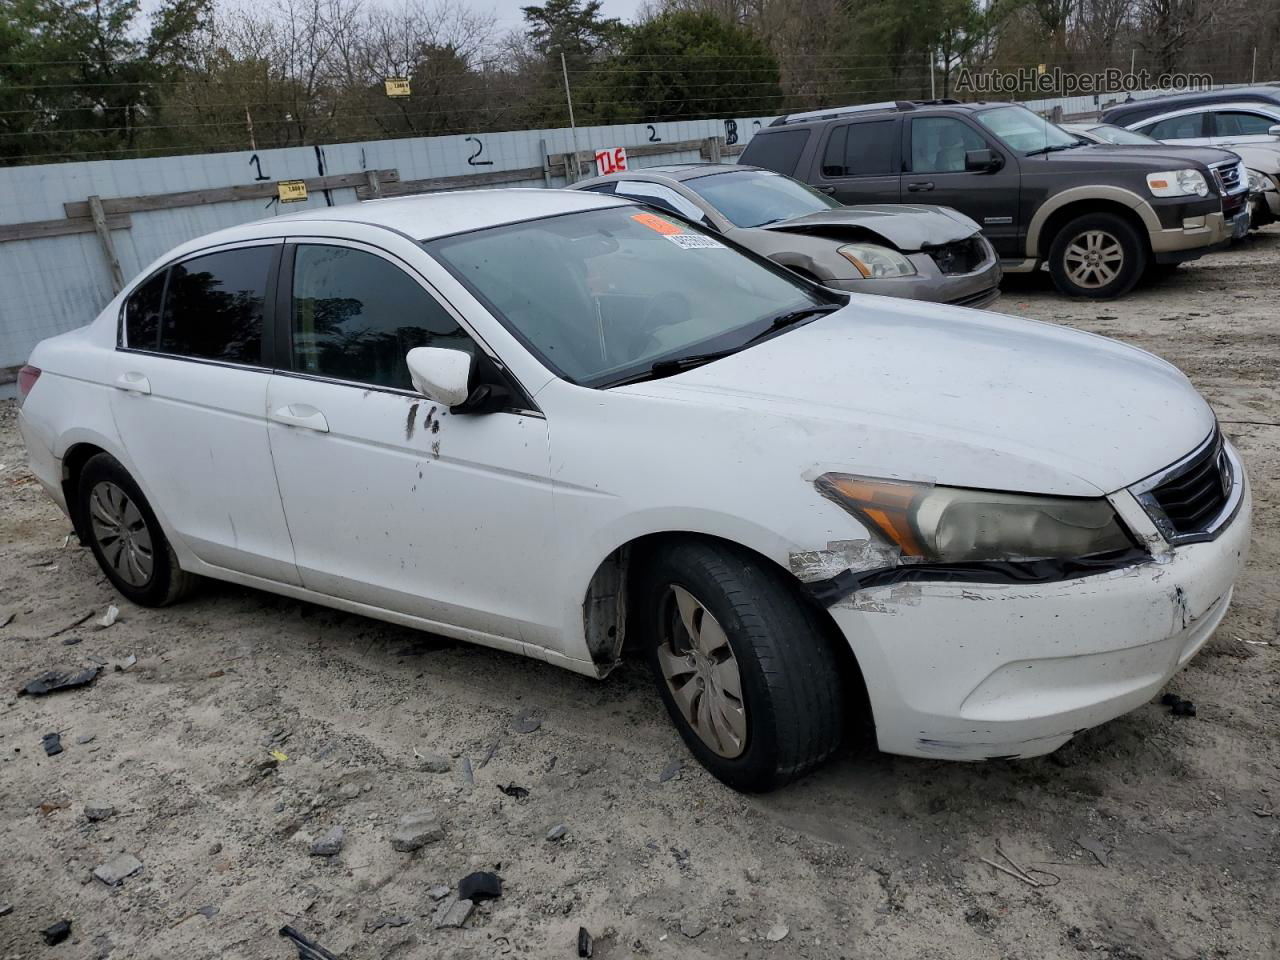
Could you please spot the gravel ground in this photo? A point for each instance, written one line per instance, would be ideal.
(1160, 831)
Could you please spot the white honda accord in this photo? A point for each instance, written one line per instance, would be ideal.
(554, 423)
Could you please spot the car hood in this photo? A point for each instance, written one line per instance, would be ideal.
(953, 396)
(1259, 156)
(909, 227)
(1145, 157)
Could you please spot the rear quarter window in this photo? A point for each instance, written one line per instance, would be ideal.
(776, 150)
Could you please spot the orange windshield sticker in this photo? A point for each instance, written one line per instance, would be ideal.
(664, 227)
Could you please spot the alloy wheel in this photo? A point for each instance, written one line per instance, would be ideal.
(702, 673)
(1093, 259)
(122, 534)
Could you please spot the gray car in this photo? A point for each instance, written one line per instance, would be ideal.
(897, 250)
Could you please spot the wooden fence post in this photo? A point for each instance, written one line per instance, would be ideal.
(375, 188)
(104, 237)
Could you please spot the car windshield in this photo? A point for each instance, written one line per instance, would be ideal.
(1121, 135)
(602, 295)
(1024, 131)
(752, 198)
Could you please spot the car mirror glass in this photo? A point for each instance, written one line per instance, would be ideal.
(440, 374)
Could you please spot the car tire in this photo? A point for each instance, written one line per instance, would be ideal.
(125, 536)
(1098, 255)
(784, 715)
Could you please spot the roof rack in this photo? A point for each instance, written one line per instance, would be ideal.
(888, 106)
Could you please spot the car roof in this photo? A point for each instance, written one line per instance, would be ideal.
(431, 215)
(1135, 110)
(1215, 107)
(674, 172)
(878, 111)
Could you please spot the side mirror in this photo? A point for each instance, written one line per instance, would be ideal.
(440, 374)
(982, 160)
(1274, 130)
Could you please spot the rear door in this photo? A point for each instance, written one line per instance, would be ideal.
(934, 149)
(191, 377)
(861, 162)
(391, 500)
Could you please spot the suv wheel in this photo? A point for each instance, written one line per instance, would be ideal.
(125, 536)
(1097, 255)
(744, 667)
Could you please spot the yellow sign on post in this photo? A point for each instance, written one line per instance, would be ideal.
(291, 191)
(397, 86)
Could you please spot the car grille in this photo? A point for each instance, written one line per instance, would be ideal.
(1188, 501)
(962, 256)
(979, 299)
(1233, 205)
(1228, 177)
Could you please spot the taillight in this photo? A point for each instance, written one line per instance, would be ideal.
(27, 378)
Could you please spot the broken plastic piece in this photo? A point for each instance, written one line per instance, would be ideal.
(52, 744)
(108, 618)
(57, 933)
(585, 944)
(480, 886)
(51, 681)
(307, 949)
(514, 791)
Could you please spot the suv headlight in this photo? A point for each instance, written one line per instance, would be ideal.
(874, 261)
(954, 525)
(1177, 183)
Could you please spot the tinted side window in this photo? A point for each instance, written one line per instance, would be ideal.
(213, 307)
(142, 314)
(1177, 128)
(778, 151)
(938, 144)
(1232, 124)
(860, 149)
(356, 315)
(662, 197)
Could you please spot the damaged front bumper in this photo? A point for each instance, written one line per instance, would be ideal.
(978, 670)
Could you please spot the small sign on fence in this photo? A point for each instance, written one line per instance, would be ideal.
(291, 191)
(612, 160)
(397, 86)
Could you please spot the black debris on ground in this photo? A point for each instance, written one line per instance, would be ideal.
(52, 744)
(481, 885)
(55, 934)
(585, 946)
(53, 681)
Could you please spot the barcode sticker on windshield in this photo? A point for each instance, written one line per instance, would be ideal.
(694, 241)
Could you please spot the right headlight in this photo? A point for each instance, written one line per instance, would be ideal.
(1178, 183)
(956, 525)
(874, 261)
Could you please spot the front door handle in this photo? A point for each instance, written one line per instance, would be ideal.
(301, 415)
(920, 186)
(827, 189)
(133, 383)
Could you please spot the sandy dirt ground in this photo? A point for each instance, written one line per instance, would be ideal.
(1162, 831)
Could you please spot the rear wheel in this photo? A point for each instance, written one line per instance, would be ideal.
(1097, 255)
(125, 536)
(744, 667)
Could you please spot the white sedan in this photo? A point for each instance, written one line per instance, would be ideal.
(554, 423)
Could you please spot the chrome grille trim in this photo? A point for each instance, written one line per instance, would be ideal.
(1227, 466)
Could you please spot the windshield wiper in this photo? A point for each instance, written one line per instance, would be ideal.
(1053, 148)
(667, 368)
(793, 317)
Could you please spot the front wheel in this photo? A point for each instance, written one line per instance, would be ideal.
(746, 671)
(1098, 255)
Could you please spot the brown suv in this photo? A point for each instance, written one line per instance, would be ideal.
(1098, 215)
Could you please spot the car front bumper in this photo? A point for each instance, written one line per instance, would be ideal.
(972, 671)
(977, 288)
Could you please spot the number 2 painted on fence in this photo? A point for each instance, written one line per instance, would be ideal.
(474, 160)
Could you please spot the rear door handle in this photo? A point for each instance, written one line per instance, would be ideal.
(301, 415)
(920, 185)
(133, 382)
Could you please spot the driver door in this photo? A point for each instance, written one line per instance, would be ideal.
(392, 501)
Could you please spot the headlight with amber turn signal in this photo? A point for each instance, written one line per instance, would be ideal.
(953, 525)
